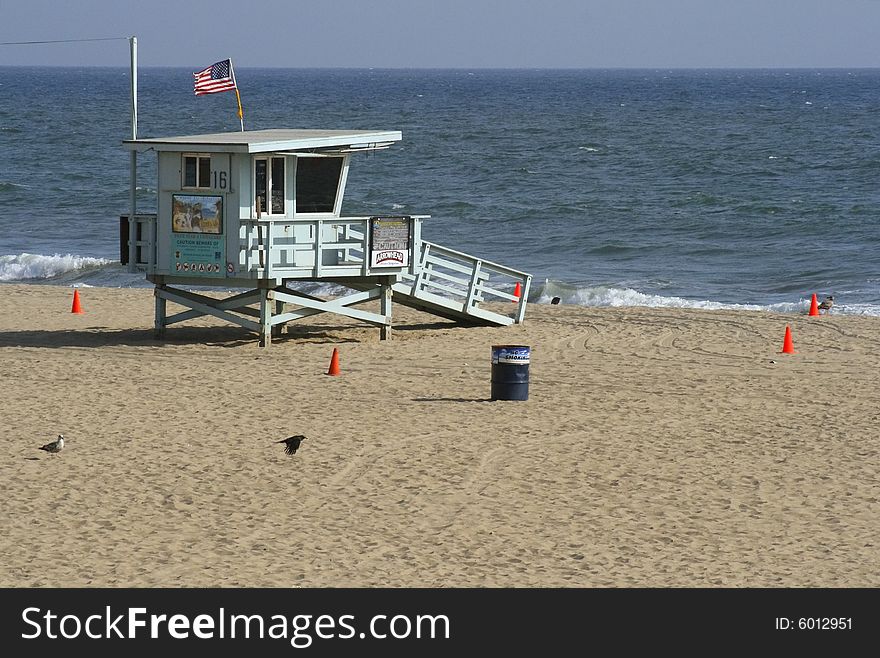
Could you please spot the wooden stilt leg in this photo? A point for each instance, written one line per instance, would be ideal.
(279, 309)
(385, 308)
(159, 321)
(266, 303)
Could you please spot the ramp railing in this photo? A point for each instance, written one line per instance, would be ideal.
(463, 282)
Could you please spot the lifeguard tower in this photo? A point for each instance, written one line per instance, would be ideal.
(258, 210)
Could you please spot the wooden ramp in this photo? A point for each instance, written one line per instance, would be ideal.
(455, 285)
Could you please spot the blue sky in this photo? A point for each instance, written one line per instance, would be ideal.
(448, 33)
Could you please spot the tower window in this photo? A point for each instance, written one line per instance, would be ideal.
(196, 171)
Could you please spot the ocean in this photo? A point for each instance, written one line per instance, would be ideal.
(733, 189)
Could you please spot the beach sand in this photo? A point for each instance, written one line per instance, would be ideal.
(658, 448)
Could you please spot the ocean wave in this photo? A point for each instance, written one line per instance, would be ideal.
(9, 185)
(609, 296)
(613, 250)
(87, 271)
(24, 267)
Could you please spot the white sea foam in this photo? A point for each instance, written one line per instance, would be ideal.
(620, 297)
(37, 266)
(86, 271)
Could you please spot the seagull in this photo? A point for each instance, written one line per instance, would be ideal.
(826, 304)
(54, 446)
(292, 443)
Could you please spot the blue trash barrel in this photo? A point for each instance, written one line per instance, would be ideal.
(510, 372)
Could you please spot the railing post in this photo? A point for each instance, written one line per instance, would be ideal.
(422, 274)
(319, 244)
(246, 239)
(154, 239)
(365, 261)
(248, 255)
(472, 288)
(270, 234)
(260, 254)
(524, 295)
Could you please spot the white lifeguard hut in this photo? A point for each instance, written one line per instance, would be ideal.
(258, 210)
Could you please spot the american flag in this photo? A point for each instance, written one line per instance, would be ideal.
(216, 78)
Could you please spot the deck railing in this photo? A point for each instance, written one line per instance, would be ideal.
(300, 248)
(338, 247)
(138, 244)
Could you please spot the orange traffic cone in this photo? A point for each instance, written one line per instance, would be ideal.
(517, 291)
(787, 345)
(814, 306)
(334, 363)
(76, 308)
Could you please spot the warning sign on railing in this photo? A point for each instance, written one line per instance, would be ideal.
(390, 241)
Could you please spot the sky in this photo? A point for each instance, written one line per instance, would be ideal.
(447, 33)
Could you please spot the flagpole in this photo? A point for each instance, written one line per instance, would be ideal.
(240, 114)
(132, 227)
(237, 95)
(133, 42)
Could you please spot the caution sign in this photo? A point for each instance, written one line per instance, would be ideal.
(197, 255)
(390, 244)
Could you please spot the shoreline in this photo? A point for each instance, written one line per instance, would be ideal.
(658, 448)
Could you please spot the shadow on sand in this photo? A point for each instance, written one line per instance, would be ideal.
(452, 399)
(222, 336)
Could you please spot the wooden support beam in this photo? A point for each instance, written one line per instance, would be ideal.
(266, 303)
(338, 306)
(237, 303)
(201, 305)
(159, 322)
(294, 297)
(385, 307)
(277, 323)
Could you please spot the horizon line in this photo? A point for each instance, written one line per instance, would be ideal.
(468, 68)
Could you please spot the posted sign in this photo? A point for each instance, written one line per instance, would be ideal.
(197, 241)
(390, 241)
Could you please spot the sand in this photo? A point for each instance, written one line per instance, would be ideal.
(658, 448)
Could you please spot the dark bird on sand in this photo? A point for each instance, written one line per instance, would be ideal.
(292, 443)
(826, 304)
(54, 446)
(555, 300)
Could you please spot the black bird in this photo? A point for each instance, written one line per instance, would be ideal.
(826, 304)
(292, 443)
(54, 446)
(555, 300)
